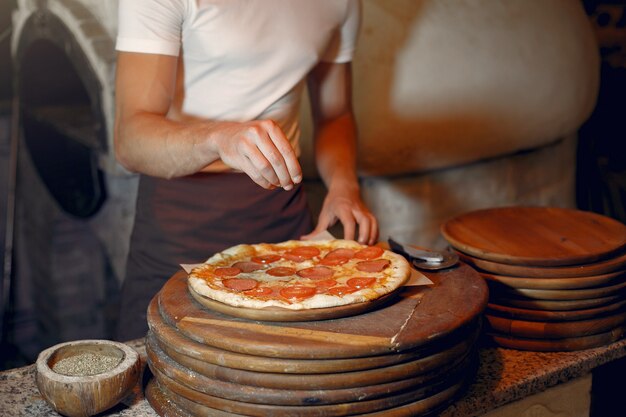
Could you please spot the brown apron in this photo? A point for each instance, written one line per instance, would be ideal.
(186, 220)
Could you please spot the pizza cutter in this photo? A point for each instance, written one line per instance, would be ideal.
(424, 259)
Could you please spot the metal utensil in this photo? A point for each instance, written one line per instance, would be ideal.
(424, 259)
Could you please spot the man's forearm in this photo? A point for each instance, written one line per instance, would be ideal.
(153, 145)
(335, 148)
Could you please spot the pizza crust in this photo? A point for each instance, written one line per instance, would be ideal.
(396, 275)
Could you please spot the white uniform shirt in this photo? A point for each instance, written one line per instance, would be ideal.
(242, 59)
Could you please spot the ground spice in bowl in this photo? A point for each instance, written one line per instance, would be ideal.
(86, 377)
(85, 364)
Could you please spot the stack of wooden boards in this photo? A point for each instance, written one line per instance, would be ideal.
(557, 277)
(409, 357)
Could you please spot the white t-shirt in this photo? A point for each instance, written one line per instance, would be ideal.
(242, 59)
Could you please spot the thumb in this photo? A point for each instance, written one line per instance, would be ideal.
(323, 224)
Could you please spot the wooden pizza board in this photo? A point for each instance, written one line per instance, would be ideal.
(161, 364)
(436, 361)
(261, 410)
(555, 305)
(536, 236)
(418, 316)
(172, 341)
(557, 283)
(558, 316)
(615, 263)
(167, 403)
(575, 294)
(283, 314)
(557, 345)
(555, 330)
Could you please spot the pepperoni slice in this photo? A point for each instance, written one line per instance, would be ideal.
(326, 283)
(293, 258)
(247, 266)
(265, 259)
(227, 272)
(299, 292)
(369, 253)
(240, 284)
(340, 253)
(333, 261)
(281, 271)
(306, 252)
(361, 282)
(259, 291)
(316, 272)
(339, 291)
(373, 266)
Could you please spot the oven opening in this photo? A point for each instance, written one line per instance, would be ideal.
(60, 129)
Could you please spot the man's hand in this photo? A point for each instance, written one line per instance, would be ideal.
(154, 138)
(335, 151)
(345, 205)
(259, 149)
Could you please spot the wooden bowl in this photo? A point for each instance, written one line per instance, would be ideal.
(86, 395)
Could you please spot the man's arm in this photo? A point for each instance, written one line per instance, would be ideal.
(147, 141)
(335, 151)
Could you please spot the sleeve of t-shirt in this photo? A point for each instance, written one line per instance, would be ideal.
(343, 44)
(150, 26)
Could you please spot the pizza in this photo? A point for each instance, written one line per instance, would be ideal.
(299, 275)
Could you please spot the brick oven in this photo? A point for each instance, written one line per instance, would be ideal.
(74, 204)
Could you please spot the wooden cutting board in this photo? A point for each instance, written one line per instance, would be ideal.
(536, 236)
(418, 316)
(574, 283)
(614, 263)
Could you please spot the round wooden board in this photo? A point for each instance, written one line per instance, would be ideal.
(543, 315)
(167, 403)
(552, 305)
(285, 315)
(582, 294)
(173, 341)
(438, 360)
(555, 330)
(557, 283)
(162, 402)
(161, 364)
(263, 410)
(537, 236)
(416, 317)
(615, 263)
(559, 345)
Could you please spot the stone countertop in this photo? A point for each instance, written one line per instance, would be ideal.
(504, 375)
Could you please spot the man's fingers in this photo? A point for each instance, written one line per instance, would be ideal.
(275, 162)
(368, 228)
(349, 225)
(324, 221)
(250, 169)
(259, 162)
(286, 151)
(364, 222)
(373, 236)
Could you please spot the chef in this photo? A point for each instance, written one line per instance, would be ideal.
(207, 111)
